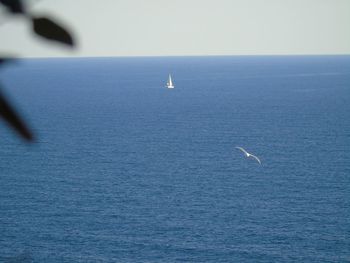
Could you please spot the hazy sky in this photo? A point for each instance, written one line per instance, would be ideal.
(187, 27)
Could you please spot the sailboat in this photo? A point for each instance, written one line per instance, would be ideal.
(170, 84)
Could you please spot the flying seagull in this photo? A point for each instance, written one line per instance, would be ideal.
(247, 154)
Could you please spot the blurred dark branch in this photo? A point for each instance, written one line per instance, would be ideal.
(44, 27)
(12, 118)
(14, 6)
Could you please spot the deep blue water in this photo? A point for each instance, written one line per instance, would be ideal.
(125, 170)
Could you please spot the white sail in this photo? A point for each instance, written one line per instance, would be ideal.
(170, 83)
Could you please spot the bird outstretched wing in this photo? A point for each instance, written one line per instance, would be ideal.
(256, 158)
(240, 148)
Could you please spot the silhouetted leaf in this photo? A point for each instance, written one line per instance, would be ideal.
(9, 114)
(14, 6)
(48, 29)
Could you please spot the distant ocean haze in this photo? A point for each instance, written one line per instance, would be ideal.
(126, 170)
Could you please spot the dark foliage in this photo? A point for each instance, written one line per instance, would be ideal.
(13, 6)
(9, 114)
(48, 29)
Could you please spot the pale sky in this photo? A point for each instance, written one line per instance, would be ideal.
(187, 27)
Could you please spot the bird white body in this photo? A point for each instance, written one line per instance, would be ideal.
(247, 154)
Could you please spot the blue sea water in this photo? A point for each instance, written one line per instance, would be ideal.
(125, 170)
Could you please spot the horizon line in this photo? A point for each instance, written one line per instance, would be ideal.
(179, 56)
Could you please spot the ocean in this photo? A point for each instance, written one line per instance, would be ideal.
(125, 170)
